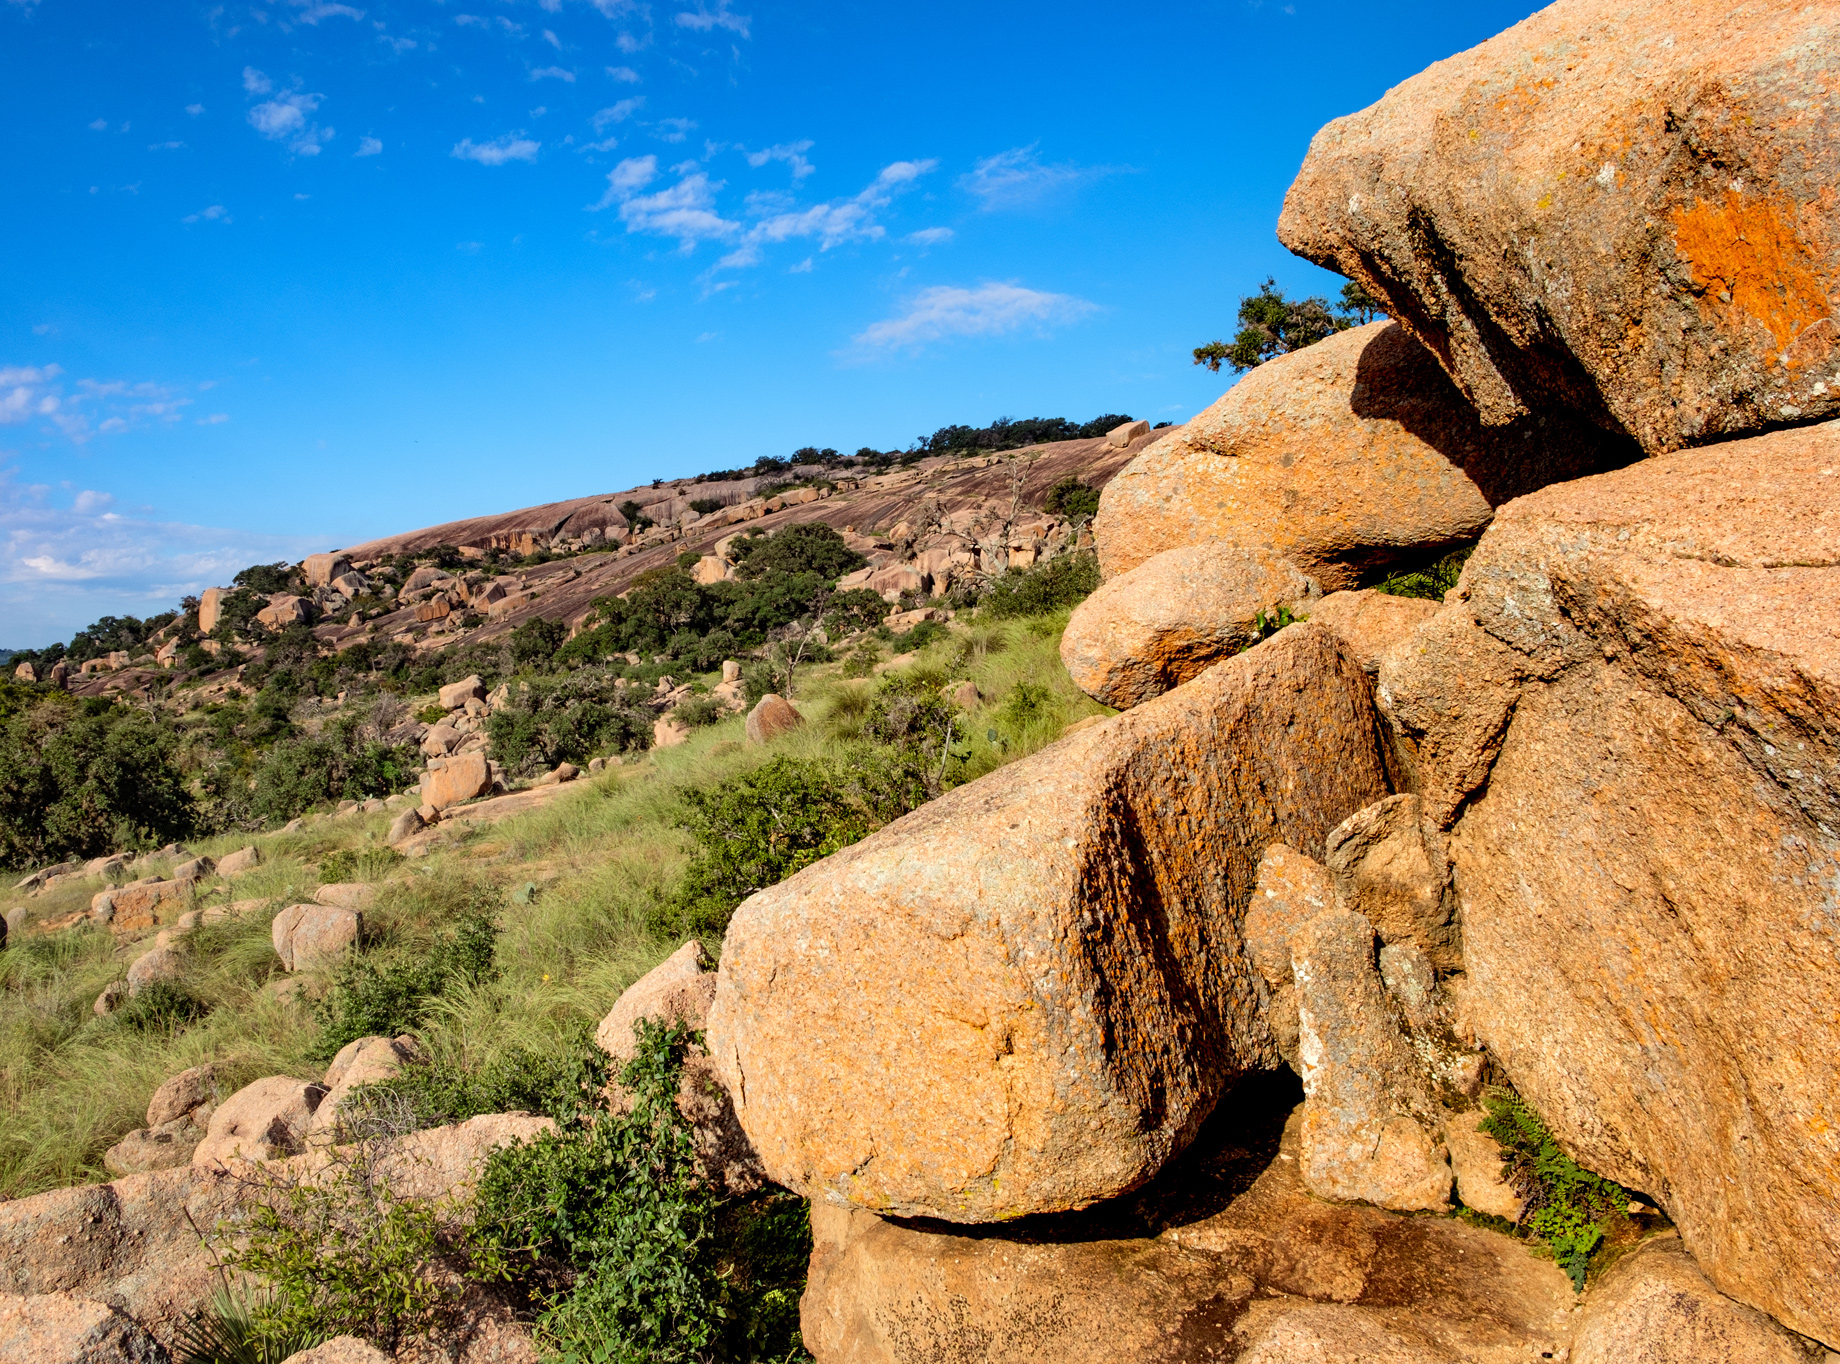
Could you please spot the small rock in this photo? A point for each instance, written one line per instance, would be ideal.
(306, 935)
(346, 895)
(113, 996)
(240, 861)
(731, 670)
(260, 1121)
(964, 695)
(159, 1148)
(455, 695)
(179, 1096)
(771, 717)
(195, 870)
(163, 963)
(407, 823)
(367, 1061)
(340, 1350)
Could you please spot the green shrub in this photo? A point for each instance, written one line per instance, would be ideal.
(559, 1082)
(358, 864)
(565, 719)
(160, 1007)
(1065, 580)
(1072, 499)
(1568, 1209)
(635, 1259)
(371, 998)
(82, 779)
(536, 641)
(340, 763)
(924, 633)
(343, 1253)
(755, 830)
(1431, 583)
(861, 661)
(699, 711)
(230, 1331)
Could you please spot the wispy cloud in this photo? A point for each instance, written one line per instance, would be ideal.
(64, 563)
(88, 408)
(194, 109)
(624, 73)
(165, 146)
(931, 236)
(617, 113)
(369, 146)
(216, 213)
(702, 19)
(312, 11)
(557, 73)
(673, 129)
(792, 153)
(1018, 179)
(688, 211)
(947, 311)
(288, 117)
(510, 147)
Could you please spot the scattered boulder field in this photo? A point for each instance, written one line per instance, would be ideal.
(1177, 1039)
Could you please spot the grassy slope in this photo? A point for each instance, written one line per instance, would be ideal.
(600, 856)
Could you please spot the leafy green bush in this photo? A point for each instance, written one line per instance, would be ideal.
(924, 633)
(537, 640)
(810, 547)
(1065, 580)
(1568, 1209)
(85, 778)
(565, 719)
(372, 997)
(642, 1263)
(339, 764)
(1072, 499)
(699, 711)
(160, 1007)
(755, 830)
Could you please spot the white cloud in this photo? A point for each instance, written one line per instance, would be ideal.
(553, 41)
(617, 113)
(988, 310)
(802, 268)
(194, 109)
(165, 146)
(62, 567)
(553, 73)
(624, 73)
(215, 419)
(510, 147)
(931, 236)
(216, 213)
(288, 118)
(1017, 178)
(89, 408)
(688, 210)
(99, 125)
(792, 153)
(312, 11)
(369, 146)
(703, 19)
(673, 129)
(255, 83)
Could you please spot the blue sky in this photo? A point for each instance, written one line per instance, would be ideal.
(285, 276)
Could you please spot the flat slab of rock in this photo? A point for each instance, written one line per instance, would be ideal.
(1624, 209)
(1624, 716)
(1349, 458)
(1224, 1256)
(1027, 995)
(1173, 616)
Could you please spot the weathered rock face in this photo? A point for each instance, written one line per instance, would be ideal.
(1349, 458)
(1383, 872)
(1370, 1128)
(240, 861)
(55, 1328)
(1626, 210)
(1027, 995)
(367, 1061)
(1656, 1307)
(1626, 709)
(1175, 615)
(1224, 1256)
(456, 694)
(676, 991)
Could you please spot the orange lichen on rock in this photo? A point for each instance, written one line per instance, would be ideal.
(1751, 251)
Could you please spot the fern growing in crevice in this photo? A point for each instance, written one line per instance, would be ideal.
(1569, 1210)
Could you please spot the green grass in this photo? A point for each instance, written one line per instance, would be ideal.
(604, 856)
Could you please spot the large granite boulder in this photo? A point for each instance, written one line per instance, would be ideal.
(56, 1328)
(1028, 994)
(1174, 616)
(1626, 210)
(1622, 728)
(1351, 458)
(312, 935)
